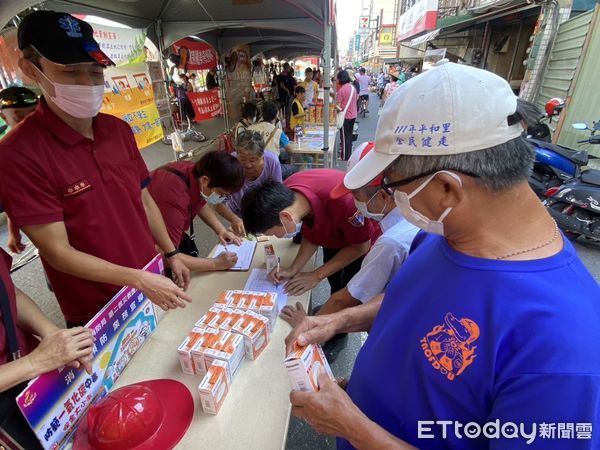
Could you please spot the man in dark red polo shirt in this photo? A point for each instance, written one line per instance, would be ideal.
(23, 357)
(181, 191)
(74, 181)
(302, 203)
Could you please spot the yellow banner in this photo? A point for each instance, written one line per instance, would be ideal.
(128, 90)
(386, 38)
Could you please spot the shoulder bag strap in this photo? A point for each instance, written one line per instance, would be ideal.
(349, 100)
(271, 137)
(9, 324)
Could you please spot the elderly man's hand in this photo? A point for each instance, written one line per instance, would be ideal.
(301, 283)
(329, 411)
(312, 330)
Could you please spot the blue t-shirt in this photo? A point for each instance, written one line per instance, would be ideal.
(284, 140)
(467, 339)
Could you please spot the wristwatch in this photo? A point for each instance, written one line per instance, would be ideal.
(173, 253)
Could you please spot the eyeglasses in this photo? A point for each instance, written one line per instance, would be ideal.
(21, 99)
(387, 187)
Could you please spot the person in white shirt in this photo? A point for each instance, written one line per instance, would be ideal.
(385, 257)
(311, 88)
(364, 81)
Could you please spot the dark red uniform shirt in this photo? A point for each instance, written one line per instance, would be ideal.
(174, 199)
(51, 173)
(26, 341)
(330, 226)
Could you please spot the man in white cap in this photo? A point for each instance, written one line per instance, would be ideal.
(493, 320)
(385, 256)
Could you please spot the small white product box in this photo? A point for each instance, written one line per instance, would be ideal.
(214, 387)
(253, 328)
(185, 350)
(303, 365)
(219, 345)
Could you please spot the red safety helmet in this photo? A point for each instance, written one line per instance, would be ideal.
(148, 415)
(553, 106)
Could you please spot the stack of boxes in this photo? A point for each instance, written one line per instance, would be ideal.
(239, 323)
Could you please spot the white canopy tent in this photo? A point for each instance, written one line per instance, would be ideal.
(276, 28)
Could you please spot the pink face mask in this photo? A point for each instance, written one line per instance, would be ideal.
(79, 101)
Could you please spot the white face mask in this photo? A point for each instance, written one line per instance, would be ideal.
(298, 227)
(364, 209)
(83, 102)
(402, 200)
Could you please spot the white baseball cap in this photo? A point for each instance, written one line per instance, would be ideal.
(447, 110)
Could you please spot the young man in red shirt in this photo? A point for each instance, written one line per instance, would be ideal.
(74, 181)
(182, 190)
(302, 203)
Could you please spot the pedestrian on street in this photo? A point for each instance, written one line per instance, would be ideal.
(74, 180)
(346, 100)
(364, 82)
(390, 87)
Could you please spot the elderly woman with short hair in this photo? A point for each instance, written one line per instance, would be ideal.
(259, 167)
(493, 320)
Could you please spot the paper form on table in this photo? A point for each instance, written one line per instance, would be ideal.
(258, 281)
(244, 252)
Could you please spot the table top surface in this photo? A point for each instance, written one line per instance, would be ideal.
(313, 143)
(256, 412)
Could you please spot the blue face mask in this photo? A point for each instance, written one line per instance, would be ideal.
(213, 198)
(293, 233)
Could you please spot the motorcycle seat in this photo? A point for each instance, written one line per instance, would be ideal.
(577, 157)
(591, 177)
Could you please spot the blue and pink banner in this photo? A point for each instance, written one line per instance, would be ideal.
(54, 402)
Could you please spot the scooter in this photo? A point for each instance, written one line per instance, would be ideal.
(554, 164)
(575, 205)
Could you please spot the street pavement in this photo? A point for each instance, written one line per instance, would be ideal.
(300, 436)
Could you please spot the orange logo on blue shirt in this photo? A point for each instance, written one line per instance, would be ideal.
(449, 348)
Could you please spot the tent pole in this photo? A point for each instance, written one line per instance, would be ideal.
(326, 88)
(222, 77)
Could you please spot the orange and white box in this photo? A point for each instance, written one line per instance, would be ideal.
(209, 337)
(264, 303)
(303, 365)
(214, 387)
(268, 309)
(210, 315)
(255, 333)
(219, 345)
(185, 350)
(224, 320)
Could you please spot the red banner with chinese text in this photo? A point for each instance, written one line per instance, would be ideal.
(195, 55)
(206, 104)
